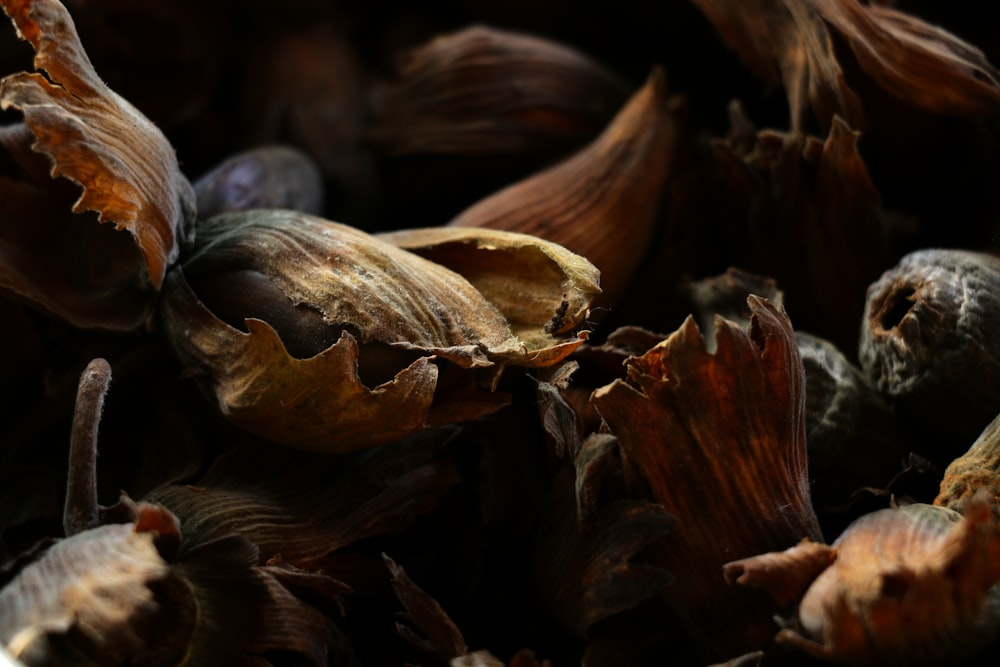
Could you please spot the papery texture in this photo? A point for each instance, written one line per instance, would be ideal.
(720, 441)
(127, 171)
(97, 581)
(794, 207)
(909, 586)
(602, 202)
(482, 90)
(794, 42)
(305, 506)
(377, 304)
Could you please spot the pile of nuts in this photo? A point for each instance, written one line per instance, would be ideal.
(489, 333)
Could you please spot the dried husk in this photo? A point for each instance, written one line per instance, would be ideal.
(793, 42)
(903, 586)
(96, 581)
(602, 202)
(486, 91)
(853, 436)
(977, 471)
(305, 506)
(791, 207)
(86, 273)
(720, 441)
(541, 287)
(586, 544)
(379, 303)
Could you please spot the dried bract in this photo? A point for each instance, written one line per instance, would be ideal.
(904, 586)
(794, 40)
(127, 172)
(602, 202)
(720, 441)
(487, 91)
(318, 335)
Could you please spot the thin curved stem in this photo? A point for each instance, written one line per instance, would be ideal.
(81, 511)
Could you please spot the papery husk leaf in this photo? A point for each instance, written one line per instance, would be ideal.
(910, 585)
(97, 581)
(972, 473)
(921, 64)
(602, 202)
(720, 441)
(305, 506)
(793, 40)
(373, 292)
(786, 42)
(125, 166)
(539, 286)
(583, 557)
(784, 575)
(443, 639)
(245, 613)
(799, 205)
(483, 91)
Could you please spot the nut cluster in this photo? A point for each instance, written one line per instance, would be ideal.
(490, 333)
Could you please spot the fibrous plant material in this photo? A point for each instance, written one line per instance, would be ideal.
(318, 335)
(720, 441)
(903, 586)
(127, 173)
(485, 91)
(794, 42)
(974, 473)
(602, 202)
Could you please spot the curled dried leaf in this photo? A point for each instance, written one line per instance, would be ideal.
(127, 172)
(720, 441)
(602, 202)
(96, 581)
(367, 320)
(794, 40)
(487, 91)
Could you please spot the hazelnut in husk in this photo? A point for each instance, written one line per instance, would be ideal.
(315, 334)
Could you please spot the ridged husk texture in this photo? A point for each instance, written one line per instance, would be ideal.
(377, 302)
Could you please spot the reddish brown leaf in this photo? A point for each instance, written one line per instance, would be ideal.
(125, 166)
(720, 441)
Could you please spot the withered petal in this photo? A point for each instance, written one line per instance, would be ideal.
(127, 169)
